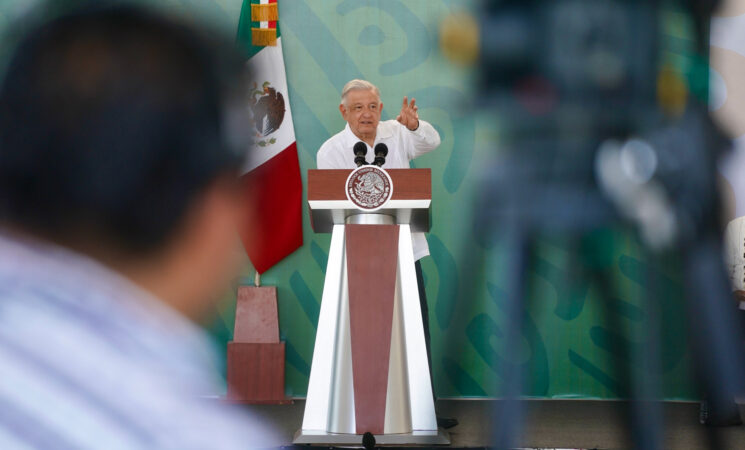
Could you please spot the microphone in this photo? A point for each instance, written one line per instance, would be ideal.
(360, 150)
(381, 151)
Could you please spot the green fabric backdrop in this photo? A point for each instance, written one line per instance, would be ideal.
(567, 345)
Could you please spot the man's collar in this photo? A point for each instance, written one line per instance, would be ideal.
(383, 132)
(349, 137)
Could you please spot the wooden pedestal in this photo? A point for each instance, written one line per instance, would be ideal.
(256, 357)
(256, 373)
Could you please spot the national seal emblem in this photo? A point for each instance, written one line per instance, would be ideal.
(369, 187)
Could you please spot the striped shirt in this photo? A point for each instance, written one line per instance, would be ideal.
(89, 360)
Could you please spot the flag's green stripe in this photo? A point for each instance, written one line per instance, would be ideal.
(243, 37)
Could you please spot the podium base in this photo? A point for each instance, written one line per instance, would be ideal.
(439, 437)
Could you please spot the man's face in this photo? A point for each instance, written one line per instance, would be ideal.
(362, 112)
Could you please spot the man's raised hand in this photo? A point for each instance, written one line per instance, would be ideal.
(408, 116)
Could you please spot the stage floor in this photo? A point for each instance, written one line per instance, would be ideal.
(551, 424)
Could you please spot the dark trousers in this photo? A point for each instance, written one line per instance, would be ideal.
(425, 320)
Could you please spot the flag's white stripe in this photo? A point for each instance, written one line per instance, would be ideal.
(268, 65)
(264, 24)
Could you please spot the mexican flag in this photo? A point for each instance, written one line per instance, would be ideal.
(272, 173)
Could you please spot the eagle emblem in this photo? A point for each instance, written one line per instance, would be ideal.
(369, 187)
(268, 110)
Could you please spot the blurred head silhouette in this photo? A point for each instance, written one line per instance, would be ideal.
(113, 142)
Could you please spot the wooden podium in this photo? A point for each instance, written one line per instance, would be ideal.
(369, 371)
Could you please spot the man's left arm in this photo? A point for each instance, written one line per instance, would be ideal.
(423, 137)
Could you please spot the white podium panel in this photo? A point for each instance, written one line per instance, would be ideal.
(330, 406)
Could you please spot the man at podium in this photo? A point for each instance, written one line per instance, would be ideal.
(405, 138)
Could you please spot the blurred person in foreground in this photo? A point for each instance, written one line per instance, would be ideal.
(118, 207)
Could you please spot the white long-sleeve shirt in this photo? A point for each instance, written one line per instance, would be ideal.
(403, 146)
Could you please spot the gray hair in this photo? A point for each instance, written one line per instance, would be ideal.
(358, 85)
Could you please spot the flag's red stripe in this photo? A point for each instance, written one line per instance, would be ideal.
(275, 201)
(273, 24)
